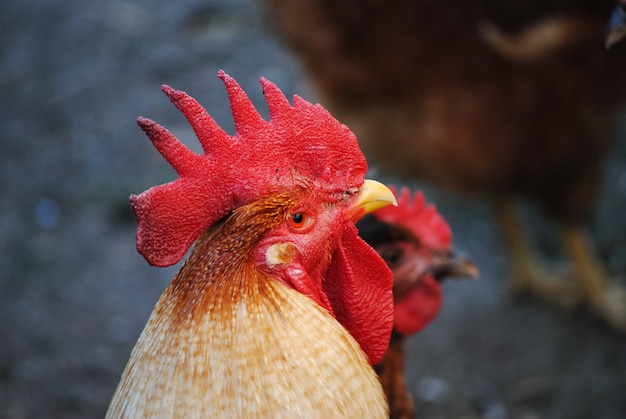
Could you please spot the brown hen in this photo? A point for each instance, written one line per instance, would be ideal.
(501, 98)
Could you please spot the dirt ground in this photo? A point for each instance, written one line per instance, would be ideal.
(74, 294)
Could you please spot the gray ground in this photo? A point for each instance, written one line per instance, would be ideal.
(74, 294)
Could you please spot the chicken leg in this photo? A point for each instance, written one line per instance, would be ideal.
(586, 285)
(528, 275)
(602, 296)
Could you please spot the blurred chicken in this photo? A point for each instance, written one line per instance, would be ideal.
(416, 243)
(505, 99)
(281, 307)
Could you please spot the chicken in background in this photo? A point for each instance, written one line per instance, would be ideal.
(416, 243)
(502, 99)
(281, 308)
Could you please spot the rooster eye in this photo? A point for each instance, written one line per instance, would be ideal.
(300, 220)
(392, 256)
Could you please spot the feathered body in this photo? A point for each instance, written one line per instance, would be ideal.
(266, 318)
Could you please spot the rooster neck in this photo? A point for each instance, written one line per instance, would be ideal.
(274, 355)
(220, 266)
(252, 347)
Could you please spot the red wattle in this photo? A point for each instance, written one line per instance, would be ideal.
(418, 308)
(359, 287)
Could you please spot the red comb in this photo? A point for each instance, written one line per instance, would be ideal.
(421, 218)
(299, 143)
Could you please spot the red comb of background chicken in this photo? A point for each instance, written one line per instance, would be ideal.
(422, 219)
(235, 169)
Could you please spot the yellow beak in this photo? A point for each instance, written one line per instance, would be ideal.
(373, 196)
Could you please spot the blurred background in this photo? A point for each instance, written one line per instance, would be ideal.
(74, 294)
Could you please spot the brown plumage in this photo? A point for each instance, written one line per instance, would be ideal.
(391, 373)
(506, 99)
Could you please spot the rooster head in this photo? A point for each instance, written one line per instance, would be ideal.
(416, 242)
(301, 166)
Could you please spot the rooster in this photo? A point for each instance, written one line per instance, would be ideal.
(280, 308)
(507, 100)
(416, 243)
